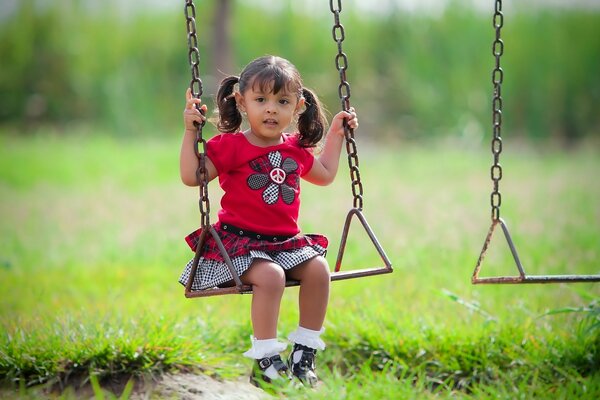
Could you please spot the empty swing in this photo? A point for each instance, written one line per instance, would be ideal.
(206, 228)
(496, 175)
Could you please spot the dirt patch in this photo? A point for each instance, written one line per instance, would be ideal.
(176, 386)
(187, 386)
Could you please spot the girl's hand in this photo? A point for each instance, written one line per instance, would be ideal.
(191, 113)
(337, 123)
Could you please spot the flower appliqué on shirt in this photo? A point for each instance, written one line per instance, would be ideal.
(277, 176)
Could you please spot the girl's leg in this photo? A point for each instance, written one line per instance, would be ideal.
(314, 295)
(314, 280)
(268, 283)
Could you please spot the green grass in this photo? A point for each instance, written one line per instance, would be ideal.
(92, 245)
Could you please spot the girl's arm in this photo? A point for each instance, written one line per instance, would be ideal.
(188, 161)
(325, 167)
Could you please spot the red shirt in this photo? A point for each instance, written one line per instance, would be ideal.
(261, 184)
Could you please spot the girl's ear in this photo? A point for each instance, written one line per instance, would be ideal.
(300, 105)
(239, 99)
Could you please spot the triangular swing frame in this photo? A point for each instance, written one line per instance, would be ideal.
(523, 277)
(336, 275)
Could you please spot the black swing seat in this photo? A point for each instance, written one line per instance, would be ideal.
(336, 275)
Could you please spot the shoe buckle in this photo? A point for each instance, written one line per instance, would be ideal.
(264, 363)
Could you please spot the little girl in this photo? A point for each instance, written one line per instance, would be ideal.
(259, 170)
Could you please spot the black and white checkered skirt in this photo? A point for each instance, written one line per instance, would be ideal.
(213, 273)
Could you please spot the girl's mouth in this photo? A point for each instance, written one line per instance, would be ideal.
(269, 121)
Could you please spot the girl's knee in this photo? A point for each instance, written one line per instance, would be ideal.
(318, 270)
(268, 276)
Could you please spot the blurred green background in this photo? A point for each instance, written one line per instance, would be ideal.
(416, 72)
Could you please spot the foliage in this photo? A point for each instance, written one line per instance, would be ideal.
(412, 75)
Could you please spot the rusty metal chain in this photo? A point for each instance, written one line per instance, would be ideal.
(497, 78)
(196, 88)
(341, 63)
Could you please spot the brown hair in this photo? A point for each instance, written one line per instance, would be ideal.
(271, 73)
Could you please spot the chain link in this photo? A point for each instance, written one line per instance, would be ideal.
(196, 88)
(341, 63)
(497, 78)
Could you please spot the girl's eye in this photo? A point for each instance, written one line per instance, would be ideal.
(260, 99)
(284, 101)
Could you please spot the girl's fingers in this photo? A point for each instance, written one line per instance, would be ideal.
(193, 113)
(351, 118)
(190, 100)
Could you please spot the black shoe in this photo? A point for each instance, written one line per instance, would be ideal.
(258, 376)
(305, 368)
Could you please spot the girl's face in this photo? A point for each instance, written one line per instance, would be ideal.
(268, 113)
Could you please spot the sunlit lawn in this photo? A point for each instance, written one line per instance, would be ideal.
(92, 245)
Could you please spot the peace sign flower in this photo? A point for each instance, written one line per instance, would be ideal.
(278, 177)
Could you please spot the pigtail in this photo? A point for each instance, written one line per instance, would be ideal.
(230, 117)
(312, 122)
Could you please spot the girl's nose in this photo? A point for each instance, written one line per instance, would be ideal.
(271, 109)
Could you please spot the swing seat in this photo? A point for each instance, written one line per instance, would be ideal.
(247, 289)
(336, 275)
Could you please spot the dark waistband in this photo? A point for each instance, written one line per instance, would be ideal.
(258, 236)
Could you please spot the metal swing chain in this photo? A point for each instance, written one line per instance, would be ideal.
(497, 78)
(196, 88)
(341, 62)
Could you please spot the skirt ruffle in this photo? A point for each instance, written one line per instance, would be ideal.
(213, 272)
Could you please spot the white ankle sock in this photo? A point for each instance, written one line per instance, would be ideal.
(272, 373)
(308, 338)
(262, 348)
